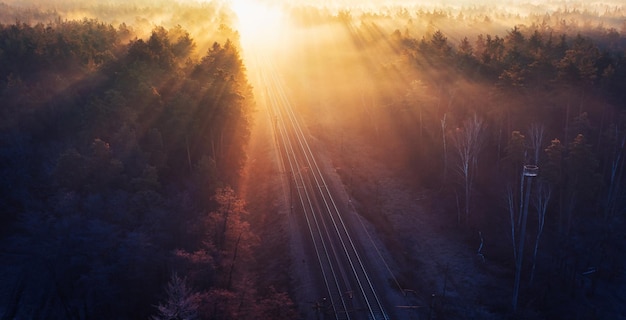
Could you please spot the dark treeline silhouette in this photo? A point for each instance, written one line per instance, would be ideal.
(118, 160)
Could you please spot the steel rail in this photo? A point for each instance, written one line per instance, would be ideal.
(315, 231)
(375, 309)
(358, 270)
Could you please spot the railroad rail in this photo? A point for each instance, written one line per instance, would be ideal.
(349, 287)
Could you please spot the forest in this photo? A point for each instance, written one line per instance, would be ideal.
(454, 104)
(125, 127)
(119, 158)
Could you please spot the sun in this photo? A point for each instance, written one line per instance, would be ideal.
(259, 24)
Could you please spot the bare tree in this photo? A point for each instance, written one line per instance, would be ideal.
(445, 148)
(536, 135)
(583, 180)
(468, 142)
(530, 171)
(616, 172)
(552, 172)
(510, 198)
(418, 96)
(516, 154)
(540, 203)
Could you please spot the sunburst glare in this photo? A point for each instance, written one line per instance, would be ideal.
(286, 159)
(259, 24)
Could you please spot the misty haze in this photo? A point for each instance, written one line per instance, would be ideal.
(336, 159)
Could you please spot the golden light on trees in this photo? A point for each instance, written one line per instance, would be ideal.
(132, 131)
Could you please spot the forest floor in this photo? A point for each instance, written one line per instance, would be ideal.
(456, 271)
(448, 276)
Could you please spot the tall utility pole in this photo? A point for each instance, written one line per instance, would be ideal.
(530, 171)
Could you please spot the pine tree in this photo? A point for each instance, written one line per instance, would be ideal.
(181, 303)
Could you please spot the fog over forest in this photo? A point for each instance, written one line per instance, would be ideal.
(477, 151)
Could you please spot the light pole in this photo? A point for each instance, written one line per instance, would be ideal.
(530, 171)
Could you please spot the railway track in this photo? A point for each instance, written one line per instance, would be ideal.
(350, 292)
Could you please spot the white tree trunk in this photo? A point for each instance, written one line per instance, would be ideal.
(542, 198)
(468, 143)
(536, 135)
(511, 202)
